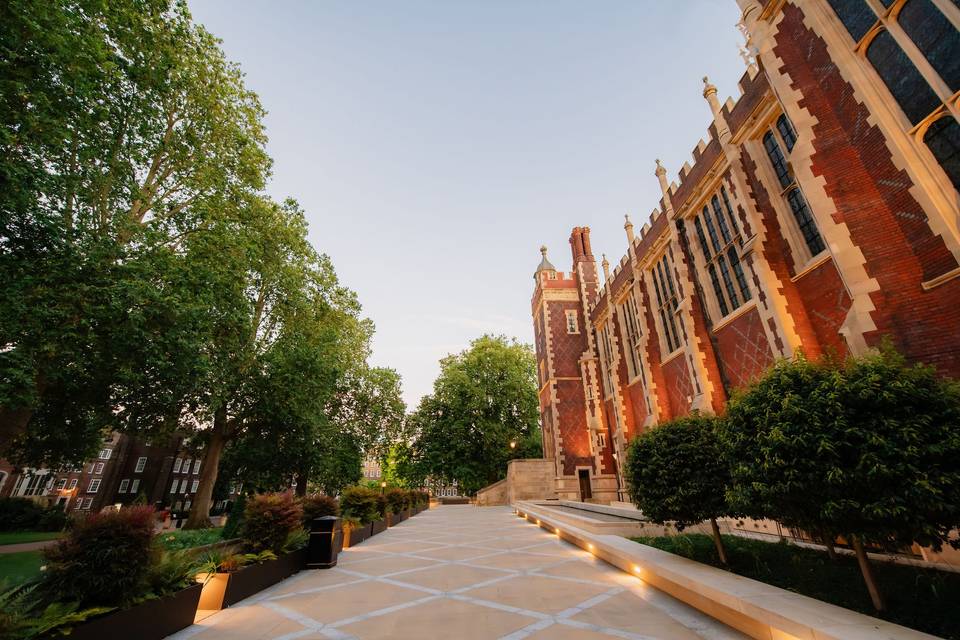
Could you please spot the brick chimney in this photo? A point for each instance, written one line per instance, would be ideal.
(580, 244)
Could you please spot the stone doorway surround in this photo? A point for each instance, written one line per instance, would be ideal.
(462, 572)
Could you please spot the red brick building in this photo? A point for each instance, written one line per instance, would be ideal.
(821, 214)
(126, 469)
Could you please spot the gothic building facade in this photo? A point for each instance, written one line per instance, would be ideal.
(821, 214)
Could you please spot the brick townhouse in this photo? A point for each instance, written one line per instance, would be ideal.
(125, 470)
(821, 214)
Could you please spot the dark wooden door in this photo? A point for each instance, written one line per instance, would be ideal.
(585, 493)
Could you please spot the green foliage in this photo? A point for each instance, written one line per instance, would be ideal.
(23, 514)
(187, 539)
(103, 560)
(319, 505)
(171, 571)
(920, 598)
(397, 500)
(17, 568)
(361, 504)
(22, 617)
(235, 520)
(869, 448)
(269, 519)
(123, 130)
(675, 472)
(484, 399)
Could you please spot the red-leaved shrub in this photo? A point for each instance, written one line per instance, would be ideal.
(269, 519)
(103, 560)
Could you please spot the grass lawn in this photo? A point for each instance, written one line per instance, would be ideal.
(16, 568)
(185, 539)
(19, 537)
(923, 599)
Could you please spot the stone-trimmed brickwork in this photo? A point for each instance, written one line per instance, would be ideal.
(888, 220)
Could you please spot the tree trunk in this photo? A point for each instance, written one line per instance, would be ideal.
(301, 484)
(867, 570)
(721, 550)
(200, 511)
(827, 540)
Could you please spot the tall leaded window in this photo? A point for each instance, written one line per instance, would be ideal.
(798, 204)
(855, 15)
(926, 24)
(777, 159)
(808, 228)
(630, 313)
(908, 87)
(943, 139)
(720, 254)
(935, 36)
(786, 132)
(667, 302)
(606, 348)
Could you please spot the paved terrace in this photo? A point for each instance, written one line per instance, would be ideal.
(462, 572)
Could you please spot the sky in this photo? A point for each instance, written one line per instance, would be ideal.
(436, 144)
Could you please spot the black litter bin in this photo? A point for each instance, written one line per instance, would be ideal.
(326, 535)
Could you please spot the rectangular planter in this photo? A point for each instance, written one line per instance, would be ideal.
(378, 526)
(150, 620)
(254, 578)
(357, 535)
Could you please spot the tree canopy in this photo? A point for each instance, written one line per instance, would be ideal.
(149, 285)
(675, 473)
(484, 398)
(867, 449)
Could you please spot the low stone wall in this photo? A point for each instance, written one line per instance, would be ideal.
(494, 494)
(757, 609)
(527, 479)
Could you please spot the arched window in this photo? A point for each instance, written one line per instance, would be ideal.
(908, 87)
(855, 15)
(943, 139)
(935, 36)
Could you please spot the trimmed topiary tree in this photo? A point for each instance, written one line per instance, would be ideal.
(868, 449)
(675, 472)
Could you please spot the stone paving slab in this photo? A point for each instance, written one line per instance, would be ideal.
(462, 572)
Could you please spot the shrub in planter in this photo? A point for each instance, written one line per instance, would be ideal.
(396, 500)
(269, 519)
(382, 506)
(317, 506)
(104, 560)
(359, 503)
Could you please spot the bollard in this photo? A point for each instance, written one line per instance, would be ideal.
(326, 535)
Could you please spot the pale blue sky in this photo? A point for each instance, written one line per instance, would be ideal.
(435, 145)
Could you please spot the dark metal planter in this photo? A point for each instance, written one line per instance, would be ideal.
(378, 526)
(254, 578)
(359, 534)
(150, 620)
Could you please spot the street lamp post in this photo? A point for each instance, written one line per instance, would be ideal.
(383, 485)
